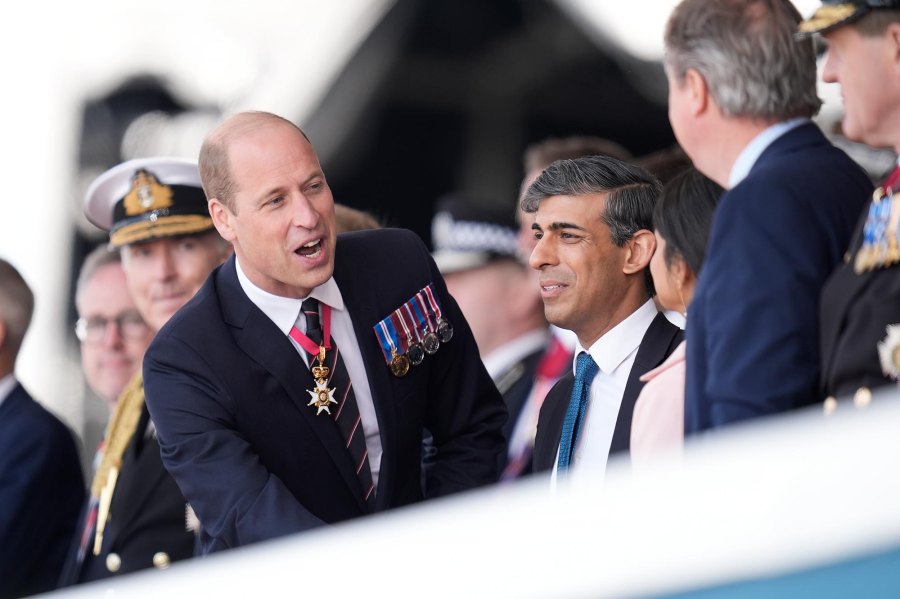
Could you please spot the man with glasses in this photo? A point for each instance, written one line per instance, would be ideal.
(155, 212)
(112, 333)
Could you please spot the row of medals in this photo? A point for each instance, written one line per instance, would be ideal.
(880, 247)
(429, 344)
(321, 396)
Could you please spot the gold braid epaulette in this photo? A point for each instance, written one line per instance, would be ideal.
(119, 431)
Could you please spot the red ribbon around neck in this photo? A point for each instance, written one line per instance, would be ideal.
(308, 344)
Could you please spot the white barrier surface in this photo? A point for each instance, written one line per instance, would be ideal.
(764, 499)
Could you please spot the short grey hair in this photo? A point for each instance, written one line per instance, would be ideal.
(747, 53)
(16, 307)
(100, 256)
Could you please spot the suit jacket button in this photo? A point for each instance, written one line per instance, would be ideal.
(113, 562)
(161, 560)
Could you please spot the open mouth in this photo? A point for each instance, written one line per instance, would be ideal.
(310, 250)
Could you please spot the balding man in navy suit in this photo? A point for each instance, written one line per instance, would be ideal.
(294, 390)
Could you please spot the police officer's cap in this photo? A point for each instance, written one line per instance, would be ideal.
(836, 13)
(467, 234)
(148, 198)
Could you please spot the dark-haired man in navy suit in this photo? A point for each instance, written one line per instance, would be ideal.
(41, 485)
(593, 225)
(742, 90)
(294, 389)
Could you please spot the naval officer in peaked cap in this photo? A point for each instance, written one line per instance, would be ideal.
(136, 517)
(860, 303)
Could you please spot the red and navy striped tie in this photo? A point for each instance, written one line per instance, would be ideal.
(346, 412)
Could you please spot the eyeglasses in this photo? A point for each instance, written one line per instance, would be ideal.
(129, 324)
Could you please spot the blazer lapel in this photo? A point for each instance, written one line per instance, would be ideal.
(553, 412)
(660, 339)
(260, 339)
(362, 307)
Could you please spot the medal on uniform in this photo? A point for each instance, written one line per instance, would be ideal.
(444, 328)
(389, 341)
(414, 350)
(399, 364)
(866, 256)
(430, 341)
(321, 396)
(893, 223)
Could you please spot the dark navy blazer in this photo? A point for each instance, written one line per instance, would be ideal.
(228, 394)
(660, 340)
(41, 492)
(752, 329)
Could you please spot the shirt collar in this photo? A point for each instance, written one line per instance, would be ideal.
(283, 311)
(751, 153)
(7, 384)
(508, 354)
(610, 350)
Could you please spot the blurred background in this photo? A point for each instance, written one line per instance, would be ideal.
(405, 100)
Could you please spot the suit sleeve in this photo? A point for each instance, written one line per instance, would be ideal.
(465, 411)
(765, 267)
(41, 492)
(233, 494)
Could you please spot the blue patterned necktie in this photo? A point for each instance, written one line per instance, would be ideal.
(585, 371)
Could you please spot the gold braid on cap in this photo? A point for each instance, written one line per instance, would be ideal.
(119, 431)
(826, 16)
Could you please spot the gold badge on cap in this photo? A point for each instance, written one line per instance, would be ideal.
(147, 193)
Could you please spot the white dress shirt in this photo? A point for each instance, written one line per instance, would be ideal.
(7, 384)
(614, 354)
(285, 313)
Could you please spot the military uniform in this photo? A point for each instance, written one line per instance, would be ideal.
(860, 300)
(137, 517)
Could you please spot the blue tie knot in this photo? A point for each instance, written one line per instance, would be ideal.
(585, 368)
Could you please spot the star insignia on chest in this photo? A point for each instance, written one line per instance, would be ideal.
(321, 397)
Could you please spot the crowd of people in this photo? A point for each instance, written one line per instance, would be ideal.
(611, 313)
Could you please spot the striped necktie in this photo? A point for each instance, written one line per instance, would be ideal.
(346, 412)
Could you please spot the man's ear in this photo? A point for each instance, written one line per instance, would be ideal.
(893, 35)
(639, 251)
(699, 91)
(222, 219)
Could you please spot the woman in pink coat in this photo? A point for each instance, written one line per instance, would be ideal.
(682, 220)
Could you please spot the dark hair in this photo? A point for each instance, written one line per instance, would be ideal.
(683, 216)
(632, 193)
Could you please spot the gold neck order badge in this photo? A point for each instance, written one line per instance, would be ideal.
(321, 396)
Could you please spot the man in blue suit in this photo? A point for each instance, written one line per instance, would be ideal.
(741, 94)
(294, 389)
(41, 485)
